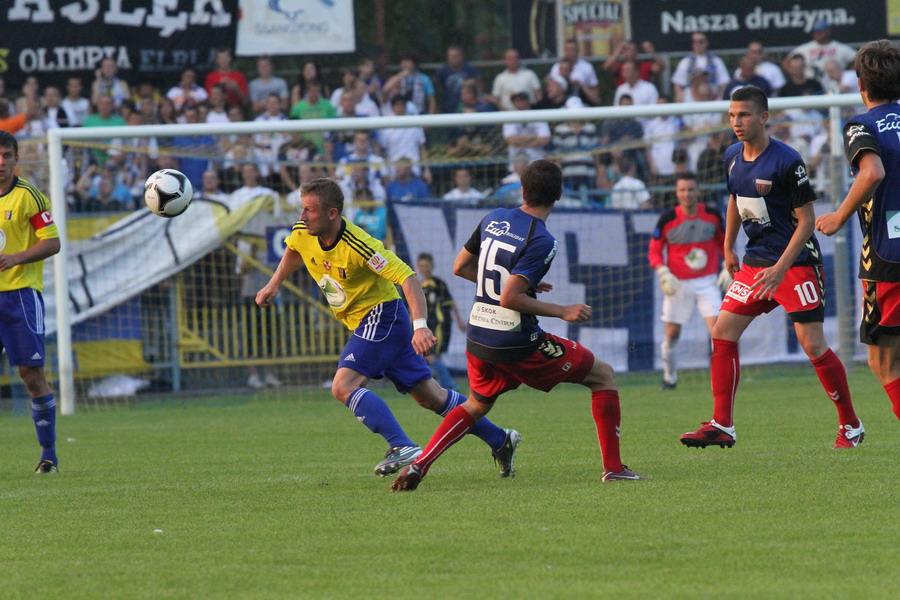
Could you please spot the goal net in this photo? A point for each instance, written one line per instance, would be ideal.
(138, 303)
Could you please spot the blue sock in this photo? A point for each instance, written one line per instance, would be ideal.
(483, 429)
(43, 411)
(371, 411)
(443, 374)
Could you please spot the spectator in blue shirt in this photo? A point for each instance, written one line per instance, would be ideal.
(451, 76)
(405, 185)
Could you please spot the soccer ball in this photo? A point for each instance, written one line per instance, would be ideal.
(168, 193)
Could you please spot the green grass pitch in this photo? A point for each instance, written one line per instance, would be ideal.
(274, 498)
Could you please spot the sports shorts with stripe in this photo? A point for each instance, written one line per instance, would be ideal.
(381, 346)
(22, 327)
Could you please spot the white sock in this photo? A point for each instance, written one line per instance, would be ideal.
(670, 375)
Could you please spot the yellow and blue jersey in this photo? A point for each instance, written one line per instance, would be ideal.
(24, 221)
(356, 273)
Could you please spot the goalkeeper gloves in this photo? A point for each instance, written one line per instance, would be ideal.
(724, 280)
(667, 281)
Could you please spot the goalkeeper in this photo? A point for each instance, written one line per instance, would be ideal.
(692, 235)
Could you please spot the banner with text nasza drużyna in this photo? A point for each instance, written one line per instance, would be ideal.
(295, 27)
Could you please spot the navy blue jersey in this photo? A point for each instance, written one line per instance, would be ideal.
(767, 191)
(507, 242)
(878, 131)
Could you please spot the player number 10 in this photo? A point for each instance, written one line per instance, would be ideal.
(807, 293)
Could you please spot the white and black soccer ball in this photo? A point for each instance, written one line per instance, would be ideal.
(168, 193)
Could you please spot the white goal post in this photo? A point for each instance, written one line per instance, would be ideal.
(57, 137)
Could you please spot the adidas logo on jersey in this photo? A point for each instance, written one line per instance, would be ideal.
(350, 358)
(36, 356)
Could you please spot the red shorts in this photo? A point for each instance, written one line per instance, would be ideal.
(557, 360)
(801, 293)
(881, 311)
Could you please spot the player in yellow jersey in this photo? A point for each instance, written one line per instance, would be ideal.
(27, 236)
(358, 277)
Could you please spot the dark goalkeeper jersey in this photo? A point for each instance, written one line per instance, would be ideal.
(878, 131)
(767, 191)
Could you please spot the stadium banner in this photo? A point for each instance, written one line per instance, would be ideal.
(139, 251)
(295, 27)
(775, 22)
(149, 39)
(602, 262)
(597, 26)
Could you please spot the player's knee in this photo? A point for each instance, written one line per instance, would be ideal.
(340, 390)
(601, 376)
(814, 348)
(34, 381)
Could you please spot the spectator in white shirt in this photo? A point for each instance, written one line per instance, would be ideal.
(765, 69)
(268, 144)
(820, 50)
(513, 80)
(404, 142)
(699, 60)
(583, 73)
(528, 138)
(629, 192)
(463, 193)
(187, 91)
(77, 107)
(641, 92)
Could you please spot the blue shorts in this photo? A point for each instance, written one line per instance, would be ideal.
(381, 346)
(22, 327)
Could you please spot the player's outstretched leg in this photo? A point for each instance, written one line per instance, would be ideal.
(607, 414)
(373, 412)
(502, 442)
(452, 429)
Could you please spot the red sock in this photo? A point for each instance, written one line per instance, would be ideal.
(831, 373)
(725, 373)
(893, 392)
(452, 429)
(607, 416)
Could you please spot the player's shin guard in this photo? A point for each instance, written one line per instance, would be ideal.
(833, 377)
(455, 425)
(607, 417)
(725, 373)
(893, 392)
(371, 411)
(43, 412)
(667, 354)
(483, 429)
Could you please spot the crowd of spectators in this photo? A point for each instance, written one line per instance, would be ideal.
(621, 163)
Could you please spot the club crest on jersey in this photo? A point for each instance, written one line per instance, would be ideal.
(739, 291)
(7, 215)
(763, 186)
(378, 262)
(326, 265)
